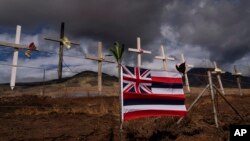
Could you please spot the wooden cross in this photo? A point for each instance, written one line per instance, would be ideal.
(64, 41)
(218, 72)
(139, 51)
(16, 47)
(100, 58)
(238, 75)
(185, 74)
(164, 58)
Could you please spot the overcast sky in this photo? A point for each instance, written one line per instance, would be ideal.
(215, 30)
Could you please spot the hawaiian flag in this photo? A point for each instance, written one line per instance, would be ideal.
(148, 92)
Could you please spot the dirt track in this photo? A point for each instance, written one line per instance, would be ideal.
(92, 119)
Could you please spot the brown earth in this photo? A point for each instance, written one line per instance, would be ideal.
(35, 118)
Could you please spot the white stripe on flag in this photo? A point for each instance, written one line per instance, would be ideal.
(167, 91)
(155, 73)
(132, 108)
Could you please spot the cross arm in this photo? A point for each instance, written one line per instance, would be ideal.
(139, 51)
(166, 58)
(170, 58)
(93, 58)
(13, 45)
(190, 66)
(216, 69)
(236, 73)
(134, 50)
(145, 51)
(159, 57)
(98, 59)
(109, 61)
(59, 41)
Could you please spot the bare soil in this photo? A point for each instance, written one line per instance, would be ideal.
(39, 118)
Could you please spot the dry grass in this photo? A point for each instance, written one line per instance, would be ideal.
(98, 107)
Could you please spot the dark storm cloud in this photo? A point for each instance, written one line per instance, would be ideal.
(105, 20)
(220, 27)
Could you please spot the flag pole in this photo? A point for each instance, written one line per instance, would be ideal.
(120, 98)
(117, 51)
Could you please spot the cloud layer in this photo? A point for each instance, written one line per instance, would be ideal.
(201, 29)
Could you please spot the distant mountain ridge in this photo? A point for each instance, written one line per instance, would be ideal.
(197, 78)
(73, 80)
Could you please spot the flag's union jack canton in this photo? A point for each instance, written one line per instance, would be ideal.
(136, 80)
(148, 92)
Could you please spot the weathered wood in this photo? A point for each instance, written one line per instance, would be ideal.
(218, 73)
(61, 41)
(15, 58)
(213, 99)
(139, 51)
(234, 109)
(164, 58)
(212, 87)
(185, 74)
(60, 63)
(195, 101)
(238, 79)
(100, 58)
(13, 45)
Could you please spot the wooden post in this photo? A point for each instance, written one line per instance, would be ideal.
(100, 58)
(120, 75)
(16, 47)
(229, 103)
(185, 74)
(218, 72)
(63, 42)
(139, 51)
(238, 79)
(44, 71)
(191, 106)
(15, 58)
(60, 65)
(164, 58)
(212, 88)
(100, 67)
(212, 96)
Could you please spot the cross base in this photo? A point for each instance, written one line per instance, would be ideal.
(211, 88)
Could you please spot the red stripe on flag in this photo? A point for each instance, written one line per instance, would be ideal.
(148, 113)
(130, 95)
(167, 80)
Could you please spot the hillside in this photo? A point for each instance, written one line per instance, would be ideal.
(82, 84)
(89, 76)
(85, 83)
(198, 77)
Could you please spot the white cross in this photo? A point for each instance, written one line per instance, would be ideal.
(218, 72)
(185, 74)
(238, 78)
(164, 58)
(16, 46)
(100, 58)
(139, 51)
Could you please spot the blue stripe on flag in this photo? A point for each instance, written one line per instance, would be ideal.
(152, 102)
